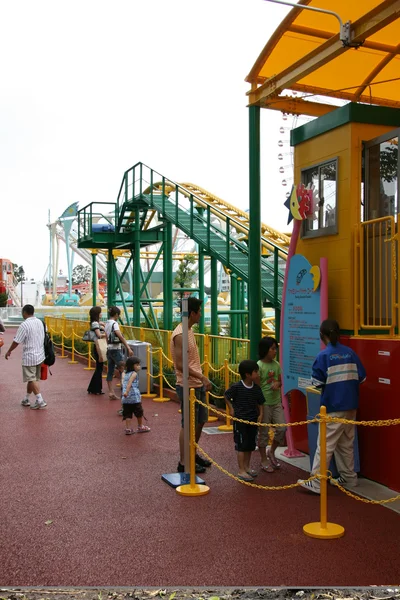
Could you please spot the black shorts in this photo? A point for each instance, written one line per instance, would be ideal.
(244, 436)
(201, 412)
(132, 409)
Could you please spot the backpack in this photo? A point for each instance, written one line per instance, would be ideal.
(48, 346)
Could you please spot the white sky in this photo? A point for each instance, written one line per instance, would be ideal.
(88, 88)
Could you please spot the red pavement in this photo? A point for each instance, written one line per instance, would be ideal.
(115, 523)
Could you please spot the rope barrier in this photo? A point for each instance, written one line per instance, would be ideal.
(248, 483)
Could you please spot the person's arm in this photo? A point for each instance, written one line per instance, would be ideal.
(123, 341)
(178, 343)
(131, 380)
(96, 328)
(228, 399)
(229, 403)
(260, 406)
(275, 385)
(11, 348)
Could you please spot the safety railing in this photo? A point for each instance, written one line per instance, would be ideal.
(376, 281)
(320, 529)
(216, 348)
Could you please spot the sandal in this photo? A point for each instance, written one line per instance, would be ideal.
(252, 473)
(243, 478)
(268, 469)
(272, 459)
(143, 429)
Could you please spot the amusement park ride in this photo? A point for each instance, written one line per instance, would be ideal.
(347, 154)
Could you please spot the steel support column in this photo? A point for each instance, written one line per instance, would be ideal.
(136, 272)
(234, 306)
(254, 287)
(167, 277)
(214, 296)
(110, 279)
(201, 287)
(94, 277)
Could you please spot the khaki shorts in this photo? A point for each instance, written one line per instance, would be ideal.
(30, 373)
(272, 414)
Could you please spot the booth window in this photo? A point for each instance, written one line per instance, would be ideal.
(382, 176)
(323, 177)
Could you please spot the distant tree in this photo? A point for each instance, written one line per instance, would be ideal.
(388, 159)
(19, 272)
(81, 274)
(185, 274)
(3, 299)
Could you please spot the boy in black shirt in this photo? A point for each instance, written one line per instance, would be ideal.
(245, 400)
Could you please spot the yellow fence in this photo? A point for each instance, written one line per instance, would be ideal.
(377, 285)
(215, 348)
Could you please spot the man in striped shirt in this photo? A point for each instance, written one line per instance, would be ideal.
(31, 334)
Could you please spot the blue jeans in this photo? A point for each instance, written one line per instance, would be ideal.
(113, 358)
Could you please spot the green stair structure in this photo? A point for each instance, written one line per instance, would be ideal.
(147, 206)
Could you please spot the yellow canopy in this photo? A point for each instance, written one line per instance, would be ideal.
(306, 55)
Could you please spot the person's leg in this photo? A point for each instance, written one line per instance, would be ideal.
(263, 434)
(96, 383)
(111, 364)
(242, 472)
(333, 433)
(277, 417)
(344, 451)
(246, 461)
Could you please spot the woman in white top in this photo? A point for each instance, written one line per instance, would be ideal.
(96, 383)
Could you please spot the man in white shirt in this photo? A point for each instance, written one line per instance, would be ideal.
(31, 334)
(115, 341)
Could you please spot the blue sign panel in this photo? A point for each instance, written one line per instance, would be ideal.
(301, 321)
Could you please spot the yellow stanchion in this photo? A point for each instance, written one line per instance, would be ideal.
(148, 394)
(323, 529)
(161, 398)
(72, 361)
(228, 425)
(211, 418)
(63, 355)
(141, 334)
(192, 488)
(89, 366)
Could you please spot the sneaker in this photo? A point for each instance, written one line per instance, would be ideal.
(25, 402)
(129, 432)
(199, 468)
(39, 405)
(341, 481)
(119, 412)
(143, 429)
(311, 486)
(203, 462)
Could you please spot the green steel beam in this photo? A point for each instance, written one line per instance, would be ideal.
(234, 307)
(201, 286)
(167, 277)
(121, 293)
(136, 271)
(254, 288)
(150, 273)
(214, 296)
(94, 277)
(110, 279)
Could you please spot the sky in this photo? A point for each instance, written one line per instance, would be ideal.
(89, 88)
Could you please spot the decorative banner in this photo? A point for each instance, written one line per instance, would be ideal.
(301, 321)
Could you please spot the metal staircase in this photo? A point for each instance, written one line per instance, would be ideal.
(217, 227)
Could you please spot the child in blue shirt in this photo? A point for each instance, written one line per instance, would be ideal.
(131, 399)
(338, 372)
